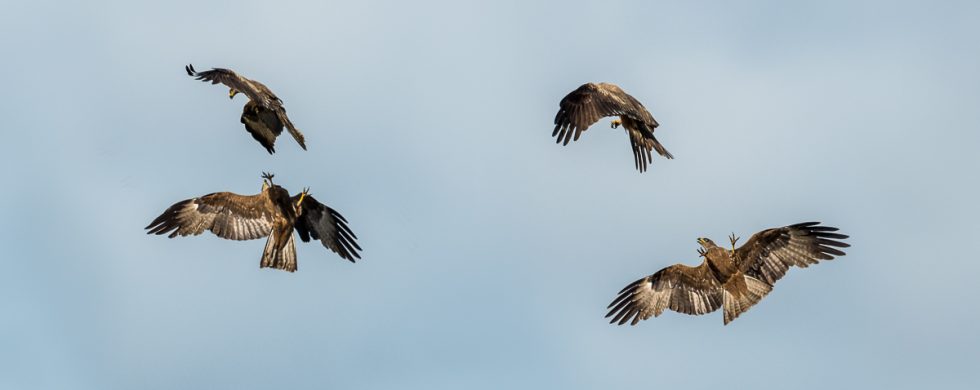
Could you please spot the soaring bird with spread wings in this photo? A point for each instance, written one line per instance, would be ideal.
(734, 279)
(263, 115)
(586, 105)
(272, 213)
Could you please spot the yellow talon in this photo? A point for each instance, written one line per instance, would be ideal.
(302, 196)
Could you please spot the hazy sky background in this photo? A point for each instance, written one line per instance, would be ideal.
(490, 252)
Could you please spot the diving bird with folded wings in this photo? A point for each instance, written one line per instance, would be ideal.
(733, 279)
(584, 107)
(271, 212)
(263, 116)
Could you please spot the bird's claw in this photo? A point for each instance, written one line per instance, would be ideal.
(733, 240)
(302, 196)
(702, 252)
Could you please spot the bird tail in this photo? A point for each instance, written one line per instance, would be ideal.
(748, 292)
(293, 131)
(280, 256)
(660, 148)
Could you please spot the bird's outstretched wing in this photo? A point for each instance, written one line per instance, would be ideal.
(768, 254)
(688, 290)
(323, 223)
(233, 80)
(590, 102)
(227, 215)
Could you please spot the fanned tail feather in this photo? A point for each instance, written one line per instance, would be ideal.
(283, 258)
(753, 292)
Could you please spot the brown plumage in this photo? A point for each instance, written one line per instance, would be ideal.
(264, 115)
(733, 279)
(272, 213)
(586, 105)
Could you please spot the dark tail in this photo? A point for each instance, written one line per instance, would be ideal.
(660, 148)
(281, 112)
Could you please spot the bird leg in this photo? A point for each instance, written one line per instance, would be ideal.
(302, 196)
(733, 240)
(702, 252)
(268, 180)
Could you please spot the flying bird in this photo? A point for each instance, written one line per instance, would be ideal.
(586, 105)
(263, 115)
(735, 279)
(271, 212)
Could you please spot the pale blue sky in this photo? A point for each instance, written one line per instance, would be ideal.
(490, 252)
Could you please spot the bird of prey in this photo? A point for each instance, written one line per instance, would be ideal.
(263, 115)
(734, 279)
(271, 212)
(586, 105)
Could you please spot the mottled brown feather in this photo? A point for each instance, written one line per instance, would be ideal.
(684, 289)
(227, 215)
(735, 282)
(270, 213)
(590, 102)
(768, 254)
(256, 92)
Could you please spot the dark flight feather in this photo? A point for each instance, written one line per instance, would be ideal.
(264, 103)
(271, 213)
(734, 282)
(590, 102)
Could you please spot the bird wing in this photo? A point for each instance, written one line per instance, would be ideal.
(233, 80)
(262, 123)
(768, 254)
(590, 102)
(323, 223)
(684, 289)
(227, 215)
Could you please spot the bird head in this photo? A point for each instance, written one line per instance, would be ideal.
(706, 243)
(616, 123)
(266, 180)
(232, 92)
